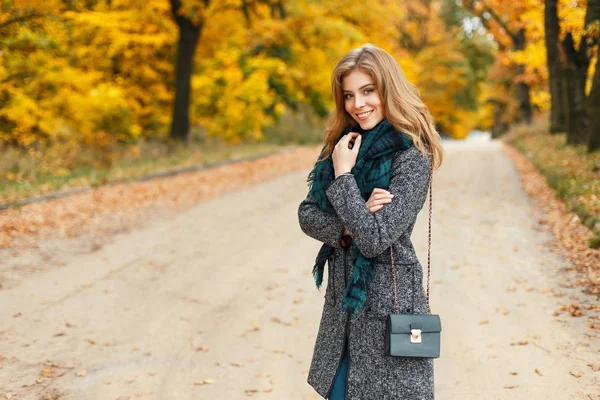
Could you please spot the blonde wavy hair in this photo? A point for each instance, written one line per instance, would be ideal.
(402, 104)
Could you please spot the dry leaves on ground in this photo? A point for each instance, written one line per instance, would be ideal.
(113, 208)
(571, 235)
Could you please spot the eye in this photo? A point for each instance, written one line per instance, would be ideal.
(369, 90)
(347, 96)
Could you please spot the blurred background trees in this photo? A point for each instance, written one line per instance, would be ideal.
(84, 77)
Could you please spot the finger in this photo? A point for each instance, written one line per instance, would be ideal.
(382, 201)
(387, 195)
(375, 208)
(349, 136)
(380, 190)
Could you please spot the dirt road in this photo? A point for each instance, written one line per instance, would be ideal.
(217, 301)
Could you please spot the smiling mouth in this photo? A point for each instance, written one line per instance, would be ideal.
(365, 115)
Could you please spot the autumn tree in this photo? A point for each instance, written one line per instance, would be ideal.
(574, 65)
(551, 28)
(450, 67)
(190, 24)
(592, 37)
(576, 42)
(510, 23)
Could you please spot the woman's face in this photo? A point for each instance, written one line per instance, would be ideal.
(361, 99)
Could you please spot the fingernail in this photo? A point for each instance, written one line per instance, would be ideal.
(392, 195)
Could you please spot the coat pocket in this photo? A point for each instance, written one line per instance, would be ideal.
(380, 296)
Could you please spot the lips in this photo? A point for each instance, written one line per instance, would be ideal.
(365, 115)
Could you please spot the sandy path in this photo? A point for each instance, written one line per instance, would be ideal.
(217, 302)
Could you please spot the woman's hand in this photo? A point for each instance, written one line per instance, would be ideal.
(345, 153)
(378, 198)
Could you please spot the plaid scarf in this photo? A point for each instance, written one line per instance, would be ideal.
(372, 170)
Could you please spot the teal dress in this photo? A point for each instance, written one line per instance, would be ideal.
(338, 392)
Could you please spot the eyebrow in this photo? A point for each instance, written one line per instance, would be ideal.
(362, 87)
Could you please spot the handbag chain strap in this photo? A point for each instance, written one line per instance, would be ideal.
(428, 251)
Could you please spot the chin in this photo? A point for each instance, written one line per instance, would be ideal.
(366, 125)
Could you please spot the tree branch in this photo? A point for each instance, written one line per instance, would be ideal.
(21, 18)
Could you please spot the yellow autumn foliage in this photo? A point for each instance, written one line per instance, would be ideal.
(89, 75)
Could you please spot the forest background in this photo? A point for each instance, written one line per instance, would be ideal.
(96, 91)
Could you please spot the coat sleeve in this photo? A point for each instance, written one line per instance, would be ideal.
(374, 233)
(318, 224)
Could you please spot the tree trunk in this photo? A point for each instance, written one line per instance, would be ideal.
(575, 66)
(186, 47)
(500, 126)
(557, 113)
(522, 88)
(593, 104)
(593, 100)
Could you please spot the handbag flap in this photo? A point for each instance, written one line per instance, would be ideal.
(403, 323)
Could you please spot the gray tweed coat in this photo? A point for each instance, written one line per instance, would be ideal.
(371, 374)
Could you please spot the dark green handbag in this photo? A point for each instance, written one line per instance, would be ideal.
(413, 335)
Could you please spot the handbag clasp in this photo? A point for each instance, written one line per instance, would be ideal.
(415, 336)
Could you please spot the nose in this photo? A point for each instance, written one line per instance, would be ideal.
(359, 101)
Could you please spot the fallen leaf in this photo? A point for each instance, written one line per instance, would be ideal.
(520, 343)
(513, 373)
(83, 372)
(17, 315)
(53, 395)
(594, 366)
(279, 321)
(237, 364)
(47, 372)
(201, 348)
(511, 386)
(207, 381)
(484, 322)
(576, 374)
(537, 371)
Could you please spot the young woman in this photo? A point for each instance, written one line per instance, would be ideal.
(366, 189)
